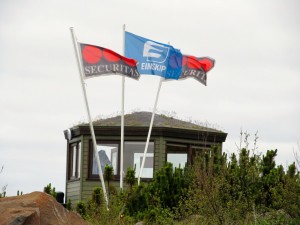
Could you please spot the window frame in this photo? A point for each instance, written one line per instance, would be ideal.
(182, 148)
(91, 159)
(199, 149)
(153, 164)
(116, 177)
(192, 149)
(74, 175)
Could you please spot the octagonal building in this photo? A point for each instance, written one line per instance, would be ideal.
(172, 140)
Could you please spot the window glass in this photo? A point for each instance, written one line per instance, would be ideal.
(73, 167)
(108, 155)
(74, 160)
(79, 160)
(177, 154)
(133, 157)
(177, 159)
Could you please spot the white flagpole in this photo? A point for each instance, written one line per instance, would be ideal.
(122, 119)
(88, 113)
(150, 129)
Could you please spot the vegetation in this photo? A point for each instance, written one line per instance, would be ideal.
(3, 189)
(108, 175)
(3, 194)
(245, 188)
(50, 190)
(69, 204)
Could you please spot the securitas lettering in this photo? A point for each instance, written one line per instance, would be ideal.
(111, 68)
(98, 61)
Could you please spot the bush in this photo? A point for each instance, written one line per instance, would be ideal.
(95, 209)
(81, 208)
(50, 190)
(97, 196)
(158, 216)
(69, 204)
(238, 191)
(247, 189)
(3, 191)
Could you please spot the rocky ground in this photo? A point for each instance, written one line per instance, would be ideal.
(36, 208)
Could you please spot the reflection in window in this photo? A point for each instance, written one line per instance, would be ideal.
(133, 156)
(108, 155)
(74, 160)
(177, 159)
(177, 154)
(74, 155)
(79, 159)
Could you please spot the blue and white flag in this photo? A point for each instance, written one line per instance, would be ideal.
(153, 58)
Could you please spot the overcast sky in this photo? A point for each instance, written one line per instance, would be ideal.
(255, 85)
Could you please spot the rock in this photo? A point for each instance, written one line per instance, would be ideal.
(36, 208)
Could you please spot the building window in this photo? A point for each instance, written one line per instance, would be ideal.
(177, 154)
(133, 157)
(79, 159)
(74, 160)
(177, 159)
(108, 155)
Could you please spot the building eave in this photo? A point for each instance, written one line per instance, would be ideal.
(130, 131)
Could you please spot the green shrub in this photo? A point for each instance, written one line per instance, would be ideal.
(277, 217)
(3, 194)
(246, 189)
(69, 204)
(158, 216)
(3, 191)
(97, 196)
(130, 177)
(50, 190)
(81, 208)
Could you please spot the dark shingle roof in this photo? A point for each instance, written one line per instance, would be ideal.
(142, 119)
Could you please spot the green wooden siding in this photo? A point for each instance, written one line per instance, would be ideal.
(89, 186)
(159, 155)
(73, 191)
(85, 157)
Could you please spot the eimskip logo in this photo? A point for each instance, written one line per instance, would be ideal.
(155, 52)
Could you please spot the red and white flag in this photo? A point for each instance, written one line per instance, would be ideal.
(196, 67)
(98, 61)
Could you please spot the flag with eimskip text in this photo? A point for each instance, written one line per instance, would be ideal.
(153, 58)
